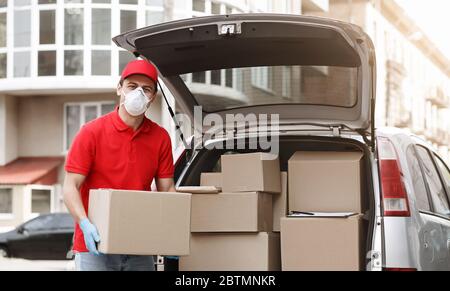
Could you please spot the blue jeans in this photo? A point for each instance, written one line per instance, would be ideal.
(91, 262)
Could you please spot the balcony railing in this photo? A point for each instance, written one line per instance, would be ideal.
(395, 68)
(439, 98)
(438, 136)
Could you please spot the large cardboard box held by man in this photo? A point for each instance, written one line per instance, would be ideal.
(233, 252)
(140, 222)
(326, 182)
(321, 243)
(231, 212)
(251, 172)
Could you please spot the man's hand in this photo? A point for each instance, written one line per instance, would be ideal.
(165, 185)
(91, 235)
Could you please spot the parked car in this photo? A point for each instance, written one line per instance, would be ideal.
(46, 237)
(319, 76)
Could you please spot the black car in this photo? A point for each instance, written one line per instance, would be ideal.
(46, 237)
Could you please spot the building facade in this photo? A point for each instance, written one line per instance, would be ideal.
(59, 70)
(413, 88)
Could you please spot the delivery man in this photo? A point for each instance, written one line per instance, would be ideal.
(120, 150)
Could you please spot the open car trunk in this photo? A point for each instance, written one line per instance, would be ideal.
(308, 71)
(209, 161)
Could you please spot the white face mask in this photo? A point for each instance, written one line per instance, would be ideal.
(136, 102)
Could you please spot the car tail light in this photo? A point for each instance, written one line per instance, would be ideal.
(399, 269)
(395, 198)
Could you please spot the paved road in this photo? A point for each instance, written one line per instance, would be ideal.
(26, 265)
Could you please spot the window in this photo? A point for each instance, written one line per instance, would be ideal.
(73, 63)
(6, 201)
(199, 5)
(155, 2)
(107, 108)
(271, 85)
(47, 1)
(77, 114)
(47, 27)
(101, 63)
(73, 26)
(101, 26)
(40, 223)
(154, 17)
(90, 113)
(420, 190)
(21, 64)
(128, 2)
(445, 172)
(437, 192)
(22, 28)
(3, 66)
(101, 1)
(64, 221)
(215, 8)
(199, 77)
(261, 77)
(3, 21)
(18, 3)
(73, 123)
(124, 58)
(286, 80)
(127, 20)
(216, 77)
(47, 63)
(229, 78)
(41, 201)
(3, 3)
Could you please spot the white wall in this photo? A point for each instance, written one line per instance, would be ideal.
(8, 129)
(41, 122)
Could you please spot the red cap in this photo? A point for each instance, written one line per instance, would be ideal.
(140, 67)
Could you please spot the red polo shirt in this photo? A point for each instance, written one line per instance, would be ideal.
(111, 155)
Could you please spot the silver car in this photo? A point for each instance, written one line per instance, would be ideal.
(313, 80)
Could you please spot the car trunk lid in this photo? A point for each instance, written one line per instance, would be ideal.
(330, 68)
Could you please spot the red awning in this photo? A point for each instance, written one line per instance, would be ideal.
(32, 170)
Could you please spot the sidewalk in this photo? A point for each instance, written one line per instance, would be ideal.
(26, 265)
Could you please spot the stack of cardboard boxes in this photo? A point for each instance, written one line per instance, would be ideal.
(233, 230)
(325, 230)
(238, 229)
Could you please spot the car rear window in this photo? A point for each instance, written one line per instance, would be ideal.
(224, 89)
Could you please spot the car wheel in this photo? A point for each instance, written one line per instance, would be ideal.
(3, 252)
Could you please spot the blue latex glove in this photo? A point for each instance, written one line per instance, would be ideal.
(172, 257)
(91, 236)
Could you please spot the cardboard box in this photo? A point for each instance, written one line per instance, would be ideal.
(232, 212)
(321, 244)
(211, 179)
(280, 203)
(140, 222)
(325, 182)
(233, 252)
(251, 172)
